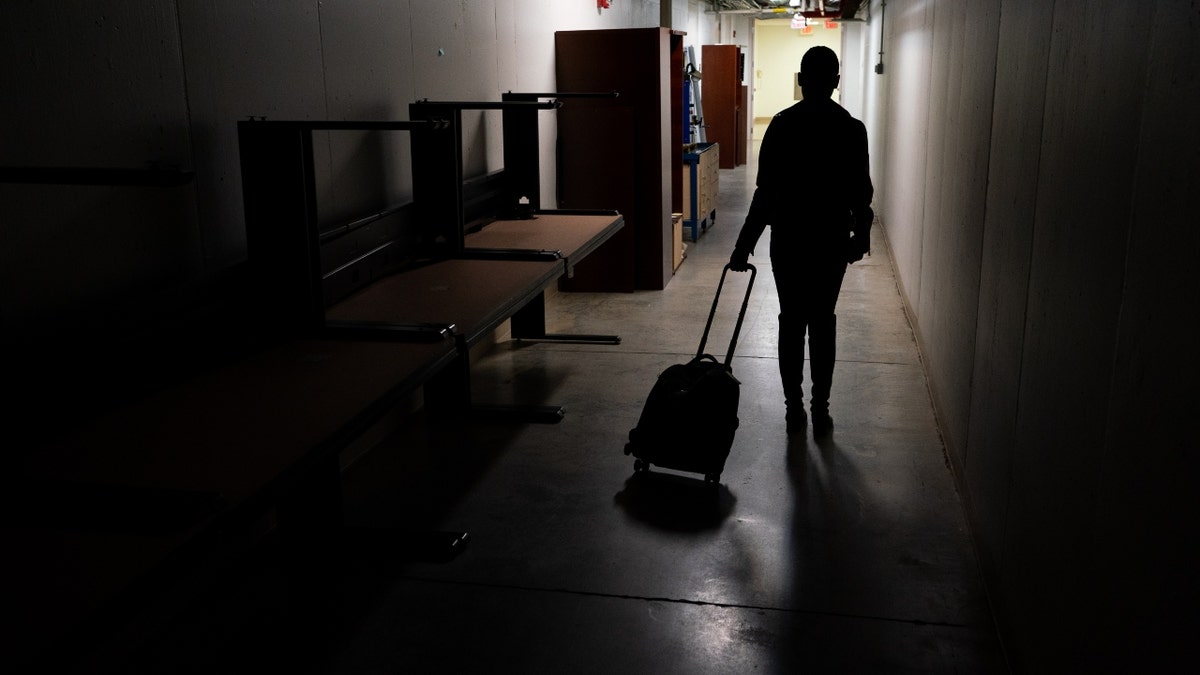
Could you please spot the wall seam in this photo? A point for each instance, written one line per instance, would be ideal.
(1130, 221)
(328, 135)
(1105, 459)
(412, 51)
(324, 68)
(987, 162)
(496, 37)
(932, 23)
(968, 498)
(201, 232)
(1013, 653)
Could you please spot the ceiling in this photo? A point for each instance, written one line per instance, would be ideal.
(844, 9)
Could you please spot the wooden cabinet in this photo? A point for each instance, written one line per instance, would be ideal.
(701, 180)
(741, 127)
(725, 99)
(622, 153)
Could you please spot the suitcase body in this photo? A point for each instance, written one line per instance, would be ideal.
(691, 414)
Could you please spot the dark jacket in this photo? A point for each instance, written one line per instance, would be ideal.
(814, 184)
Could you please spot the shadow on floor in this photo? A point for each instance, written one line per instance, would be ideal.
(674, 502)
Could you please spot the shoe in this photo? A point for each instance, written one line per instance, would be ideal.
(797, 421)
(822, 423)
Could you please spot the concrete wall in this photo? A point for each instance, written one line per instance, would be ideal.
(91, 88)
(103, 83)
(1036, 168)
(863, 90)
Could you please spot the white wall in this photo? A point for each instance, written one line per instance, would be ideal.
(1037, 175)
(125, 85)
(863, 90)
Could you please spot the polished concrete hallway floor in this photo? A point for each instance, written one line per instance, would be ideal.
(846, 555)
(850, 554)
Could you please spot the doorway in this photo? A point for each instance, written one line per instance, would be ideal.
(779, 44)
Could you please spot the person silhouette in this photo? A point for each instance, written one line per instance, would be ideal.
(814, 190)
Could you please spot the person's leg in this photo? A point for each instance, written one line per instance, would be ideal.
(792, 325)
(822, 345)
(791, 368)
(822, 354)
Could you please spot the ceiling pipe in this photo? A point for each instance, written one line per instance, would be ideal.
(832, 12)
(764, 10)
(832, 15)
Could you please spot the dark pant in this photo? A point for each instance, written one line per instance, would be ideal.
(808, 287)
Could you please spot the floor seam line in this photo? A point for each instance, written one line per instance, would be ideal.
(685, 601)
(746, 356)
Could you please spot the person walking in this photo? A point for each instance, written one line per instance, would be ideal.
(814, 190)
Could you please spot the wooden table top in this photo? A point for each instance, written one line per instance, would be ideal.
(234, 430)
(474, 295)
(573, 236)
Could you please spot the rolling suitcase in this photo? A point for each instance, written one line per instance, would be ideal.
(690, 417)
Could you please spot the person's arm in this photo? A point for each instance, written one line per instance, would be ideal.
(861, 194)
(760, 205)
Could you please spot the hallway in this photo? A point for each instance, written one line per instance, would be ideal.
(1035, 165)
(851, 554)
(848, 555)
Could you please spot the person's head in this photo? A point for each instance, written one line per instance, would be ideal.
(819, 72)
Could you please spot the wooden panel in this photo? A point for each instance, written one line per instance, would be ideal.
(687, 181)
(235, 430)
(741, 125)
(720, 90)
(703, 175)
(600, 177)
(676, 143)
(709, 181)
(474, 295)
(593, 140)
(572, 236)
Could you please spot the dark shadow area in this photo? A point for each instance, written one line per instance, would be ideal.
(828, 488)
(868, 576)
(260, 615)
(121, 349)
(527, 385)
(418, 474)
(822, 511)
(265, 611)
(674, 502)
(127, 509)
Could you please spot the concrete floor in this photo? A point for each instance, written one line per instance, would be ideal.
(850, 554)
(846, 555)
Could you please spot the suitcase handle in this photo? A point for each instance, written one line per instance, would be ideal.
(741, 314)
